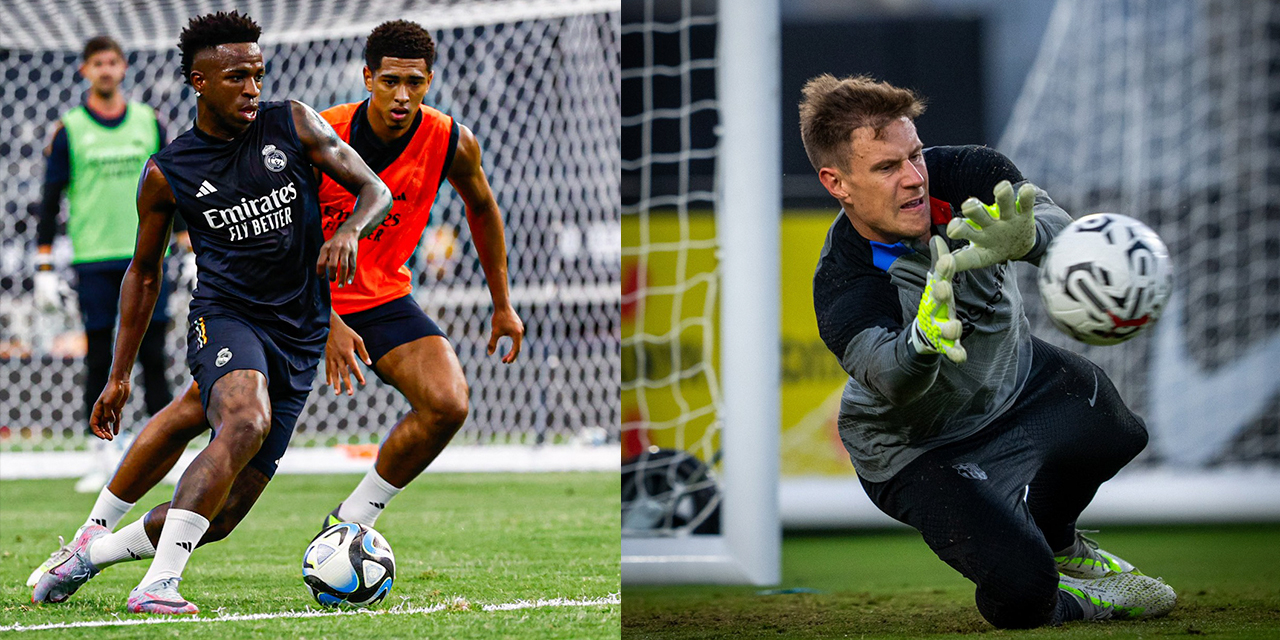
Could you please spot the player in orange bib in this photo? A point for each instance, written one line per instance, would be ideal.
(414, 149)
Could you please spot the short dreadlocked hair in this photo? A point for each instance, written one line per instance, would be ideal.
(211, 30)
(399, 39)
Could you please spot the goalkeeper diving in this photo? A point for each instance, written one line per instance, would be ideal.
(960, 423)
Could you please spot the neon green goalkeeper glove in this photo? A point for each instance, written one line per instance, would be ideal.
(997, 233)
(936, 329)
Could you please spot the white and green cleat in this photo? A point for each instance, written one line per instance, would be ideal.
(1085, 561)
(1123, 596)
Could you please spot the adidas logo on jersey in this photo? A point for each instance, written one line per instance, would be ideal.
(205, 189)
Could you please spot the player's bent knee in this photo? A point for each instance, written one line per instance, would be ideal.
(1017, 585)
(1018, 604)
(453, 411)
(1137, 437)
(1127, 439)
(249, 424)
(446, 410)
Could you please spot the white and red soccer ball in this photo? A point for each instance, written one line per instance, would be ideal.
(1105, 278)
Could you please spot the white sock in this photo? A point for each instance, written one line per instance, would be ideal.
(129, 543)
(370, 497)
(182, 532)
(108, 510)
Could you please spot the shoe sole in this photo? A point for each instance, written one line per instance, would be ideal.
(161, 609)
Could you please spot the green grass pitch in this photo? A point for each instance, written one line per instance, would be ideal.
(889, 585)
(462, 541)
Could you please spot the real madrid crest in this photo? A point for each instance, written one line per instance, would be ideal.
(273, 158)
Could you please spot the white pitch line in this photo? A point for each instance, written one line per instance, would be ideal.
(613, 598)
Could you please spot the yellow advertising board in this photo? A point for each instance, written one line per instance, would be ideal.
(811, 376)
(669, 324)
(670, 357)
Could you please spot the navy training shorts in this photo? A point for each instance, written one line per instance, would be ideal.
(98, 291)
(390, 325)
(220, 344)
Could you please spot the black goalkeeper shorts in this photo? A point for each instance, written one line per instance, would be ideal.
(996, 505)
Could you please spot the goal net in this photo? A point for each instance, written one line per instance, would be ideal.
(1165, 111)
(536, 80)
(700, 364)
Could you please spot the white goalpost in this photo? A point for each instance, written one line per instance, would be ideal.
(744, 395)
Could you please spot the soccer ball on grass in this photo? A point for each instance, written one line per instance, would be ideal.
(1105, 278)
(348, 564)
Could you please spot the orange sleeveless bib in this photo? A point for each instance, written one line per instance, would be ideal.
(414, 179)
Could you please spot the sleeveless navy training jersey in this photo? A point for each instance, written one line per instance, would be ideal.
(252, 211)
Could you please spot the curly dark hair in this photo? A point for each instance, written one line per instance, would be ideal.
(211, 30)
(399, 39)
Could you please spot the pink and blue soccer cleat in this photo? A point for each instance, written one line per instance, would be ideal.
(64, 578)
(160, 597)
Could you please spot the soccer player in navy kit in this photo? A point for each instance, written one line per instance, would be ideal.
(414, 149)
(244, 178)
(990, 448)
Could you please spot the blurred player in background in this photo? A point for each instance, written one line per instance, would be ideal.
(414, 148)
(245, 178)
(97, 152)
(992, 451)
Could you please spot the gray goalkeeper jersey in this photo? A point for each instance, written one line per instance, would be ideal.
(898, 403)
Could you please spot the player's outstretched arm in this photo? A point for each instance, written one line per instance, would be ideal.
(485, 220)
(373, 199)
(138, 294)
